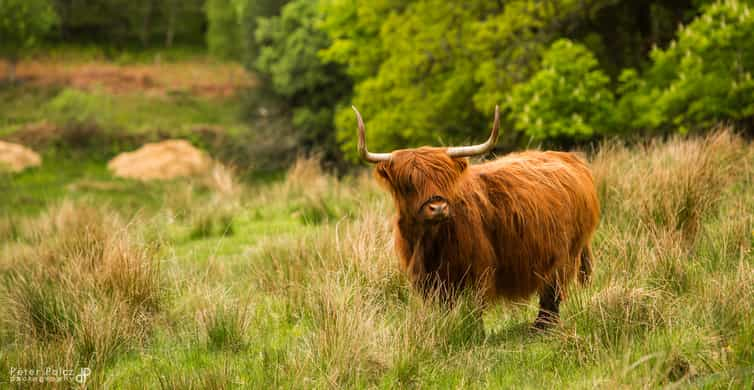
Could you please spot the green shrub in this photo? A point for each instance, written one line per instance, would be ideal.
(702, 78)
(72, 105)
(23, 24)
(303, 86)
(569, 96)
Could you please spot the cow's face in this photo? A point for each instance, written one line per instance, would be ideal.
(422, 182)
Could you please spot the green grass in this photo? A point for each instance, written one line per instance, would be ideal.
(285, 302)
(134, 113)
(123, 56)
(35, 189)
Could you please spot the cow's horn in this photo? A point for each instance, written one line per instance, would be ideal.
(474, 150)
(365, 154)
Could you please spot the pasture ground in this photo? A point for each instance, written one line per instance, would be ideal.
(216, 282)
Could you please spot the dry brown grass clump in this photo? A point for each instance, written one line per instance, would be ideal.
(16, 158)
(161, 161)
(670, 186)
(78, 281)
(314, 196)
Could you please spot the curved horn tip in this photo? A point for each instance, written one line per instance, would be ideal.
(364, 153)
(468, 151)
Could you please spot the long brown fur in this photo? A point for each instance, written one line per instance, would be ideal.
(518, 225)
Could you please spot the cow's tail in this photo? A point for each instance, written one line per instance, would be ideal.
(585, 269)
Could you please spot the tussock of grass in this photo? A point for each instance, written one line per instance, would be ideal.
(223, 325)
(316, 198)
(669, 186)
(77, 280)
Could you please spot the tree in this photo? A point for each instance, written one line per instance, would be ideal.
(223, 29)
(23, 24)
(232, 25)
(431, 71)
(703, 77)
(292, 69)
(568, 97)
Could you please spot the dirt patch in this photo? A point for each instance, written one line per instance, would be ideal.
(161, 161)
(16, 158)
(205, 79)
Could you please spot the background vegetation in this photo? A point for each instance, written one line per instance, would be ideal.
(430, 72)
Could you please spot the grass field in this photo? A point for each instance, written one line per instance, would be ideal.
(215, 282)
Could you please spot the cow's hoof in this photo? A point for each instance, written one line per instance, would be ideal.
(543, 323)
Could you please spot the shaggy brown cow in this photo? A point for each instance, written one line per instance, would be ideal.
(513, 226)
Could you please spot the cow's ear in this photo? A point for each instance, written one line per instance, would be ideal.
(461, 163)
(382, 171)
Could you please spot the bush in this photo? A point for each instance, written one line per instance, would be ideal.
(305, 87)
(23, 23)
(569, 97)
(78, 280)
(702, 78)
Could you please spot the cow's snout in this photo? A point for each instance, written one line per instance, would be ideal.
(436, 211)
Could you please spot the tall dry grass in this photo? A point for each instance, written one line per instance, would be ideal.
(670, 186)
(325, 305)
(79, 288)
(670, 231)
(315, 197)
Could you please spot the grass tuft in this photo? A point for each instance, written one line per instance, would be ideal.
(78, 280)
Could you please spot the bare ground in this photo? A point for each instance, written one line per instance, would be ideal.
(200, 78)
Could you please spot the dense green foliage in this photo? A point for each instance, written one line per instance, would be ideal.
(223, 30)
(306, 86)
(22, 25)
(569, 96)
(131, 23)
(232, 24)
(431, 71)
(703, 77)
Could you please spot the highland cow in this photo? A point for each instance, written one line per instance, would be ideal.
(512, 227)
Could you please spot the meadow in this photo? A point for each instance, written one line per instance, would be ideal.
(226, 281)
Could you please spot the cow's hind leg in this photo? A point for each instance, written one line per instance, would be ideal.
(549, 306)
(585, 268)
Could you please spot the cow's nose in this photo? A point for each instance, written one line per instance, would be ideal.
(437, 210)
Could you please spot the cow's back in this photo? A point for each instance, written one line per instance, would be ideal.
(542, 211)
